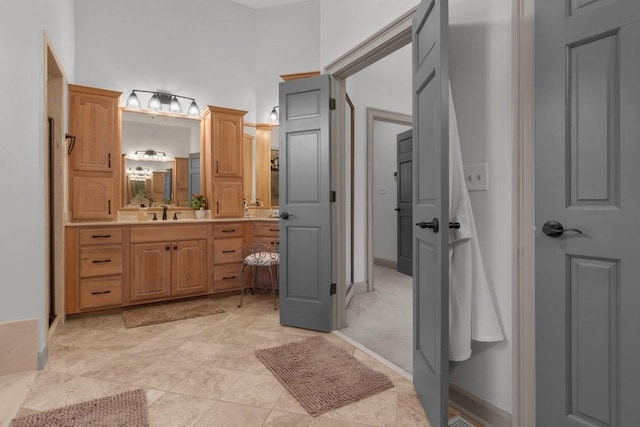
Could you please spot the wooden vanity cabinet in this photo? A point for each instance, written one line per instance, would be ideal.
(95, 259)
(228, 240)
(223, 148)
(268, 233)
(168, 261)
(181, 182)
(94, 161)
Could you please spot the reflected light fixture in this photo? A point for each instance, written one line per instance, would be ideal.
(159, 98)
(273, 116)
(139, 173)
(150, 155)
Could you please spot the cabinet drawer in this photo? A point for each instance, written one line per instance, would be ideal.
(100, 236)
(167, 232)
(226, 277)
(96, 293)
(100, 261)
(269, 241)
(227, 230)
(266, 229)
(227, 250)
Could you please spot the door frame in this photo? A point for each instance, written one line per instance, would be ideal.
(392, 37)
(373, 115)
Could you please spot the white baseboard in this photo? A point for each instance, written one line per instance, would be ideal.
(386, 263)
(477, 409)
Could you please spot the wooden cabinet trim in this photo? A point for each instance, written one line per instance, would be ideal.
(167, 233)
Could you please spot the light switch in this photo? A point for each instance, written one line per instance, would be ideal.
(382, 189)
(476, 176)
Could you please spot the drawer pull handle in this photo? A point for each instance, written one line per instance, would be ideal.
(228, 277)
(100, 236)
(274, 229)
(229, 231)
(228, 252)
(100, 292)
(100, 261)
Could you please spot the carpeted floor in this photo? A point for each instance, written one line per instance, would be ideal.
(382, 320)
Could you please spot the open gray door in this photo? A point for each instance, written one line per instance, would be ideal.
(305, 205)
(431, 208)
(587, 154)
(405, 203)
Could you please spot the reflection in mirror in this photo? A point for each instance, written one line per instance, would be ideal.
(275, 182)
(156, 182)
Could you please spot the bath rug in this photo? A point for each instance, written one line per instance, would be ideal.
(128, 409)
(322, 376)
(177, 310)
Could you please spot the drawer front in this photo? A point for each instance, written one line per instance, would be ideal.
(227, 230)
(227, 250)
(167, 232)
(226, 277)
(266, 229)
(95, 293)
(100, 236)
(269, 241)
(100, 261)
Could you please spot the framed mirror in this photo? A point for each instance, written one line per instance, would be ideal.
(161, 158)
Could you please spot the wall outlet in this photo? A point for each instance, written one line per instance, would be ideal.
(477, 176)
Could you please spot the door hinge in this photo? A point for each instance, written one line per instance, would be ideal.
(332, 103)
(332, 289)
(332, 196)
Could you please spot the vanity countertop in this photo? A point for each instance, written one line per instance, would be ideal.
(169, 222)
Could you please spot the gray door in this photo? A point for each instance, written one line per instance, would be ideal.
(405, 204)
(194, 174)
(587, 154)
(305, 210)
(431, 208)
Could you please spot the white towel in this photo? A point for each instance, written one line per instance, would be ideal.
(472, 314)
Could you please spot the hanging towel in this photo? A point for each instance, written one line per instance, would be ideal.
(472, 314)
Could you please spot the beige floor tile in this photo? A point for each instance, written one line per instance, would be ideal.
(410, 411)
(287, 419)
(176, 410)
(77, 360)
(224, 414)
(120, 368)
(288, 403)
(13, 389)
(236, 357)
(255, 390)
(164, 374)
(207, 381)
(379, 410)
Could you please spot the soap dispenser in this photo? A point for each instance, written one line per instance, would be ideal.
(143, 214)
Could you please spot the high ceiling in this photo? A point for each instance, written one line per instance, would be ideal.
(262, 4)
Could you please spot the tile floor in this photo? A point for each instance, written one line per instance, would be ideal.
(201, 372)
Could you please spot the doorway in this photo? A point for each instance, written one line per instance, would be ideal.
(54, 163)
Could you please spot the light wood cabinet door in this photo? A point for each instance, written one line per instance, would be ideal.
(227, 145)
(93, 121)
(189, 267)
(150, 271)
(228, 199)
(92, 198)
(181, 182)
(157, 187)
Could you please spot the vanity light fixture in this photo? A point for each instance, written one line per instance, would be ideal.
(273, 116)
(158, 99)
(150, 155)
(139, 173)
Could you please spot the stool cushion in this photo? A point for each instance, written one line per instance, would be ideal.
(263, 258)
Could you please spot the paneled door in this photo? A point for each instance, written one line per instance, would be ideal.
(587, 212)
(405, 203)
(431, 208)
(305, 206)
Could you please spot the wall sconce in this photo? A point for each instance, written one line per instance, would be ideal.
(273, 116)
(150, 155)
(139, 173)
(160, 98)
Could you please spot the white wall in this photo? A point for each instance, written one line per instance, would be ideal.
(385, 191)
(287, 41)
(480, 63)
(58, 23)
(22, 25)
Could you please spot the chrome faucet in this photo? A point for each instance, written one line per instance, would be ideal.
(164, 212)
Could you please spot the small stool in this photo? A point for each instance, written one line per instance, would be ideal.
(260, 255)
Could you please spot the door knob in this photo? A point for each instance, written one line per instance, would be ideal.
(397, 209)
(555, 229)
(455, 225)
(433, 225)
(285, 215)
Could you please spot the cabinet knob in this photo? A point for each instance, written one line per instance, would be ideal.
(166, 248)
(175, 247)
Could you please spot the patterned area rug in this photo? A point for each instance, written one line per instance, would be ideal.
(322, 376)
(128, 409)
(178, 310)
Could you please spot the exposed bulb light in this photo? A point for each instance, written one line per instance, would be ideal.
(193, 108)
(164, 157)
(150, 154)
(154, 102)
(175, 106)
(273, 116)
(133, 101)
(136, 156)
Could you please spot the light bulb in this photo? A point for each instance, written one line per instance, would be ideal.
(136, 155)
(273, 116)
(133, 101)
(164, 157)
(193, 109)
(154, 102)
(175, 106)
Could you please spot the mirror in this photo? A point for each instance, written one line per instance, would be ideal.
(150, 179)
(275, 174)
(265, 167)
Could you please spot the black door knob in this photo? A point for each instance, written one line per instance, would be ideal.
(455, 225)
(433, 225)
(555, 229)
(397, 209)
(285, 215)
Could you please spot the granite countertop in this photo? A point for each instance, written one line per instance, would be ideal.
(170, 221)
